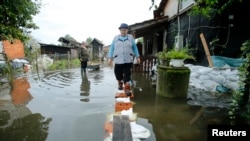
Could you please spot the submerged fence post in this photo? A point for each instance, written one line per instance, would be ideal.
(9, 68)
(68, 53)
(37, 70)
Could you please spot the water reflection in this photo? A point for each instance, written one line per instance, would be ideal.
(33, 127)
(85, 87)
(172, 119)
(16, 120)
(19, 93)
(58, 79)
(58, 95)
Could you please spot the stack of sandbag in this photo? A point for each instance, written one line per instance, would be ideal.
(211, 87)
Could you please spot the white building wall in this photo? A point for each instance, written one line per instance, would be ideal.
(171, 7)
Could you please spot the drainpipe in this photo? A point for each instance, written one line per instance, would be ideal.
(178, 17)
(178, 22)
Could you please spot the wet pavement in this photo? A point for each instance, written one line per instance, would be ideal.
(66, 106)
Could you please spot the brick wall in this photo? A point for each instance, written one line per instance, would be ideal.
(14, 50)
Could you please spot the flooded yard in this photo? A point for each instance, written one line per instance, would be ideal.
(63, 105)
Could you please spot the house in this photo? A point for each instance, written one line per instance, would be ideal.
(69, 43)
(59, 51)
(68, 47)
(152, 32)
(173, 27)
(96, 49)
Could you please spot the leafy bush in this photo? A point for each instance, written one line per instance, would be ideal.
(175, 54)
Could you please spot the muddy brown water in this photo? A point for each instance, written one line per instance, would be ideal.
(64, 106)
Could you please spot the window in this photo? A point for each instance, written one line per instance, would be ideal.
(185, 3)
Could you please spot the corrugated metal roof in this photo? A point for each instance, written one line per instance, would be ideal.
(146, 26)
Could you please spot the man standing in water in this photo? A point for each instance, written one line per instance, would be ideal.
(123, 50)
(84, 58)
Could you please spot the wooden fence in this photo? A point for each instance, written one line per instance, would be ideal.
(147, 62)
(59, 56)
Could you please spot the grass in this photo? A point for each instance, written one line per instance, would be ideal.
(64, 64)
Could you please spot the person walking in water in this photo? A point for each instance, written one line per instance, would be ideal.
(84, 58)
(122, 51)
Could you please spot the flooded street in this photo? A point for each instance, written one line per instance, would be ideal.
(65, 106)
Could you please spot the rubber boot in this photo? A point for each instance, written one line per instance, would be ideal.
(127, 89)
(120, 85)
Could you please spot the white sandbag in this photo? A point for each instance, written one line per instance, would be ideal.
(229, 72)
(210, 85)
(20, 61)
(232, 78)
(139, 131)
(122, 99)
(232, 85)
(204, 77)
(204, 70)
(217, 78)
(194, 75)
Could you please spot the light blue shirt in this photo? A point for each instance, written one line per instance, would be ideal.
(123, 49)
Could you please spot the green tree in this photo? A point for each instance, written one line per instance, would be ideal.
(140, 40)
(31, 49)
(69, 37)
(89, 40)
(153, 5)
(16, 18)
(211, 7)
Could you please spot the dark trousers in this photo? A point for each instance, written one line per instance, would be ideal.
(123, 72)
(83, 66)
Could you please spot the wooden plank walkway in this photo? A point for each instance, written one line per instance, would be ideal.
(118, 126)
(121, 128)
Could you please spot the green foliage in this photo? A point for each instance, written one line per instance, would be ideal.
(140, 40)
(211, 7)
(175, 54)
(31, 49)
(29, 55)
(64, 64)
(153, 5)
(16, 18)
(69, 37)
(89, 40)
(244, 80)
(162, 54)
(59, 64)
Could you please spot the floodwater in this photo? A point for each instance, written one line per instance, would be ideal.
(65, 106)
